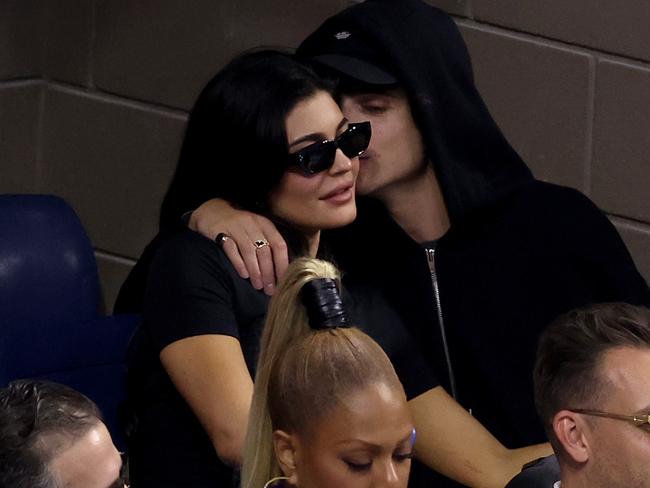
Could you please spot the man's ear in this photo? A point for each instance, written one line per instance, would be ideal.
(569, 428)
(285, 452)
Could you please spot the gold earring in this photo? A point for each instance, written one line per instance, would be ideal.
(272, 481)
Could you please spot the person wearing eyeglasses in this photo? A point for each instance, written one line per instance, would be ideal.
(53, 436)
(592, 391)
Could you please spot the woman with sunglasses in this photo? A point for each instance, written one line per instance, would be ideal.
(193, 360)
(265, 134)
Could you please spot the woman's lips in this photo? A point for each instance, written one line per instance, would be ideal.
(340, 195)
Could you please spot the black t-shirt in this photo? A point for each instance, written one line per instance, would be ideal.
(194, 290)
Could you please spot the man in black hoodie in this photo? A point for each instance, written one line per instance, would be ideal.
(474, 253)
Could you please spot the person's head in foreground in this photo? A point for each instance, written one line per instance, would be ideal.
(328, 409)
(592, 390)
(266, 135)
(52, 436)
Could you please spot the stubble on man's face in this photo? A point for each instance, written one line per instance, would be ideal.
(620, 450)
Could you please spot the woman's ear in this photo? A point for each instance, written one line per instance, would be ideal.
(570, 431)
(285, 452)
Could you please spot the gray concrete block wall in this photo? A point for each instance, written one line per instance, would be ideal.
(163, 52)
(621, 159)
(111, 159)
(20, 49)
(68, 39)
(20, 106)
(94, 96)
(606, 26)
(546, 117)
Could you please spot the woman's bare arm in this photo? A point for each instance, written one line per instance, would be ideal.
(455, 444)
(210, 373)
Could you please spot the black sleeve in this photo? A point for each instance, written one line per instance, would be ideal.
(597, 247)
(189, 291)
(541, 473)
(371, 313)
(130, 298)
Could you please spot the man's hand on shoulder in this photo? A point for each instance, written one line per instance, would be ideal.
(264, 265)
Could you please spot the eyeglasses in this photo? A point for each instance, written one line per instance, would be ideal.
(639, 420)
(320, 156)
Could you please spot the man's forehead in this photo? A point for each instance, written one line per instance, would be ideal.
(626, 372)
(90, 461)
(371, 91)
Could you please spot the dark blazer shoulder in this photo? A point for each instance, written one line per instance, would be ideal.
(542, 473)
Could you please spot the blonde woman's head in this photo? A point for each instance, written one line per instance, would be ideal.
(328, 408)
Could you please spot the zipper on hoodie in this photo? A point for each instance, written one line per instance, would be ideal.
(431, 260)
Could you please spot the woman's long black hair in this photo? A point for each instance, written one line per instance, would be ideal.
(235, 145)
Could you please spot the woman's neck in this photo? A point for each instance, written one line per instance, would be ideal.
(313, 241)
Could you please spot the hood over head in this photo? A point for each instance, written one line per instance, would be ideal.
(419, 46)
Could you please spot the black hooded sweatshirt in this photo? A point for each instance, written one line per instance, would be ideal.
(519, 251)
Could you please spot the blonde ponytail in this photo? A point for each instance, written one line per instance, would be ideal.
(286, 321)
(302, 373)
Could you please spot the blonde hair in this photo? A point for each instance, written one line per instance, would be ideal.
(304, 373)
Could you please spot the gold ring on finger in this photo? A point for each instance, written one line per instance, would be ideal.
(260, 243)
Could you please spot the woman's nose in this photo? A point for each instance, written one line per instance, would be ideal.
(341, 163)
(389, 477)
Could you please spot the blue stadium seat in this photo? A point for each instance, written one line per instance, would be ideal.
(51, 326)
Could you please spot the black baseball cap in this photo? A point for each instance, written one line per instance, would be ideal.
(345, 50)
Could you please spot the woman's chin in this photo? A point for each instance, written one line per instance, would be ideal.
(321, 218)
(343, 217)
